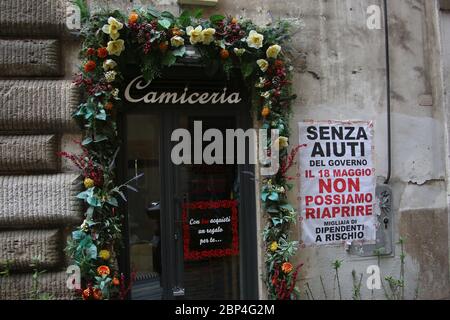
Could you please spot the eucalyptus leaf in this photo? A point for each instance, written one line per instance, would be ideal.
(164, 23)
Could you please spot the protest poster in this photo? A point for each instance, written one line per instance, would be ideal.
(337, 182)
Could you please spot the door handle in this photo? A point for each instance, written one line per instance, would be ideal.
(178, 292)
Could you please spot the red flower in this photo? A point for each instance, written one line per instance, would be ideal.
(86, 293)
(90, 51)
(102, 52)
(90, 66)
(97, 293)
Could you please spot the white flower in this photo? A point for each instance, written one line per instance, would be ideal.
(109, 64)
(263, 64)
(112, 28)
(115, 93)
(196, 35)
(110, 76)
(266, 94)
(115, 47)
(273, 51)
(177, 41)
(261, 83)
(255, 39)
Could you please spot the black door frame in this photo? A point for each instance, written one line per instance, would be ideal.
(247, 209)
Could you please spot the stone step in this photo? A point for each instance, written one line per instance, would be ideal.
(28, 153)
(20, 249)
(18, 286)
(31, 17)
(37, 105)
(40, 200)
(28, 58)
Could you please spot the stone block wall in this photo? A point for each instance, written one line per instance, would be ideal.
(37, 193)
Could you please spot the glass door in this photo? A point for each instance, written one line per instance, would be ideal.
(208, 215)
(191, 227)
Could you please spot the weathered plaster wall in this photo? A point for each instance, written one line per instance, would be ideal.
(345, 79)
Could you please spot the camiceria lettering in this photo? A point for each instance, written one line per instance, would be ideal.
(185, 97)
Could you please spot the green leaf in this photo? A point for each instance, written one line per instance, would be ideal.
(101, 115)
(185, 18)
(152, 11)
(247, 69)
(264, 196)
(169, 59)
(94, 201)
(100, 137)
(198, 13)
(164, 23)
(86, 141)
(216, 18)
(274, 196)
(179, 52)
(168, 15)
(112, 201)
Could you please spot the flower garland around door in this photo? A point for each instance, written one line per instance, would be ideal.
(154, 40)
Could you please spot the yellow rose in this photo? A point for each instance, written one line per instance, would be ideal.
(112, 28)
(263, 64)
(177, 41)
(104, 254)
(115, 47)
(273, 246)
(273, 51)
(196, 35)
(281, 142)
(208, 35)
(255, 40)
(88, 183)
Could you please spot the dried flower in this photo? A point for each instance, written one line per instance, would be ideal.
(110, 76)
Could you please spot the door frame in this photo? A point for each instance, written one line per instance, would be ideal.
(247, 222)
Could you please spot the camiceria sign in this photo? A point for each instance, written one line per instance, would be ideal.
(146, 95)
(153, 40)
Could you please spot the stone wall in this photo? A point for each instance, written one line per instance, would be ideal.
(38, 207)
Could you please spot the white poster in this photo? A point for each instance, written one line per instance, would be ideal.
(337, 182)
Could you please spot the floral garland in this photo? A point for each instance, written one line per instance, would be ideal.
(153, 40)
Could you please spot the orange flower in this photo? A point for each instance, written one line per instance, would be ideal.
(133, 17)
(97, 294)
(224, 54)
(265, 111)
(90, 51)
(109, 106)
(115, 281)
(176, 32)
(89, 66)
(234, 21)
(163, 46)
(103, 270)
(86, 293)
(279, 63)
(287, 267)
(102, 52)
